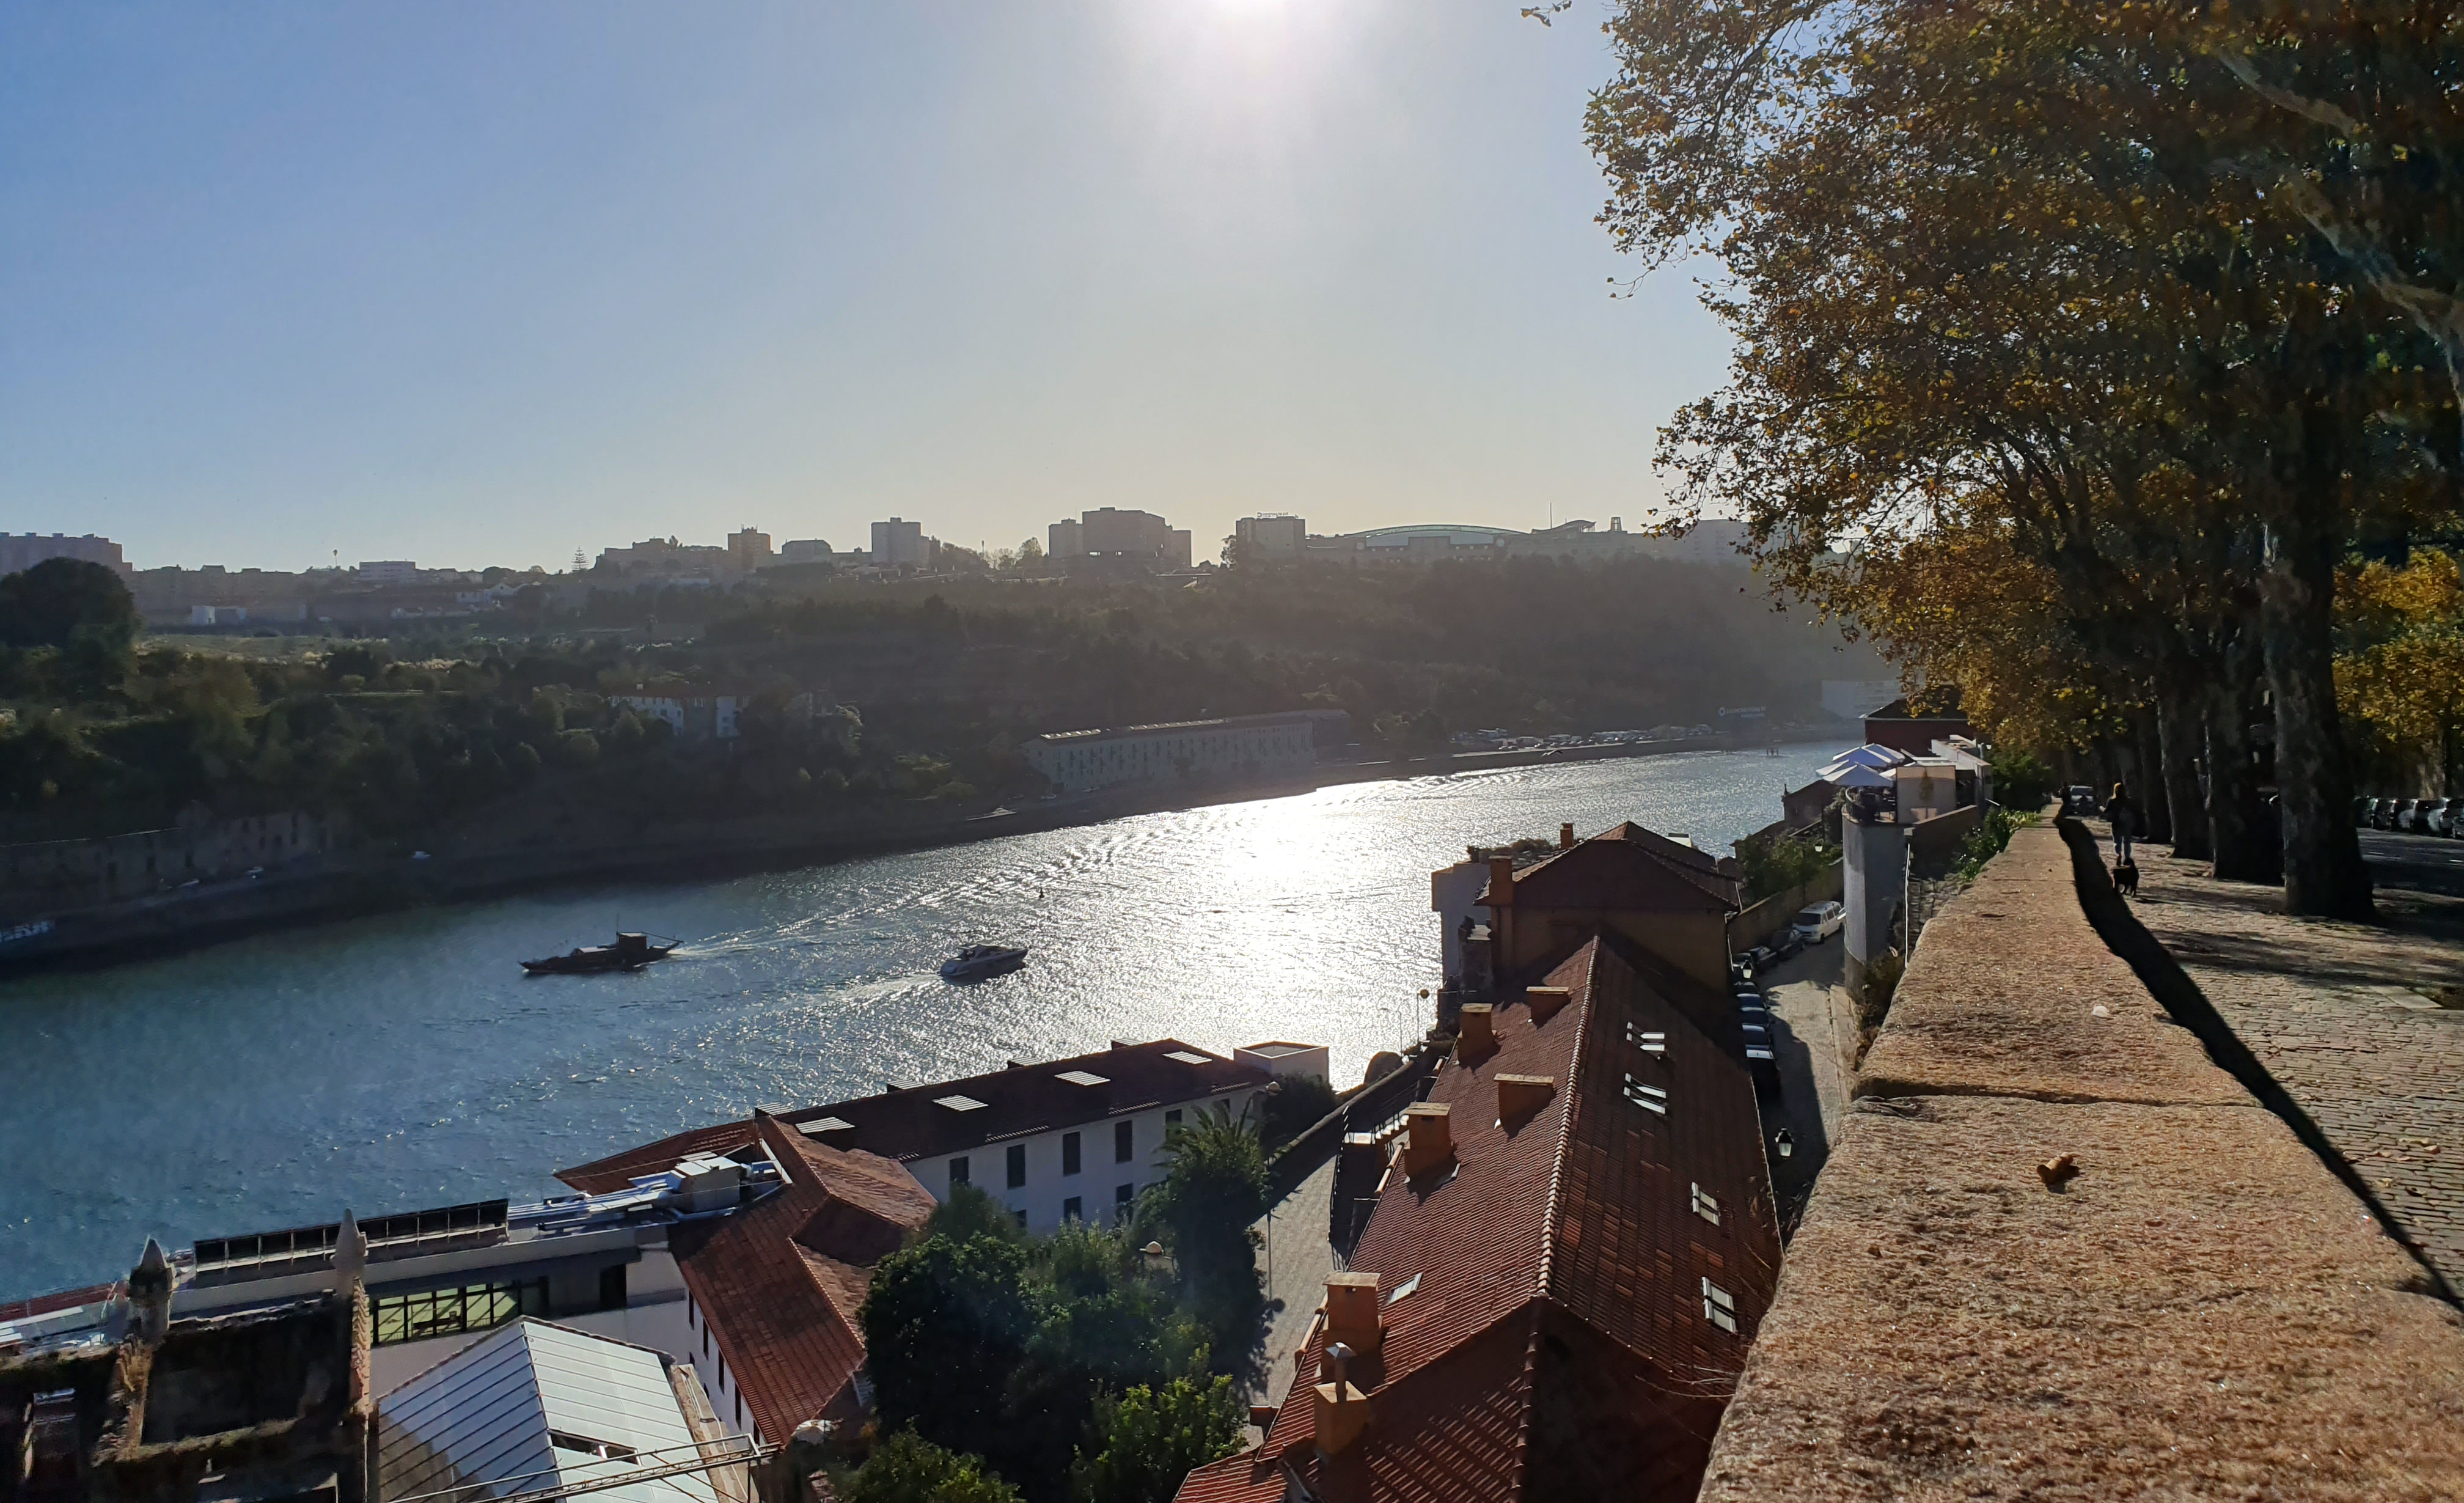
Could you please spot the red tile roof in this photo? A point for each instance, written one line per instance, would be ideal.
(912, 1123)
(781, 1282)
(1632, 868)
(1550, 1339)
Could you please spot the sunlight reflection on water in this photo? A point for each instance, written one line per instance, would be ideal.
(400, 1062)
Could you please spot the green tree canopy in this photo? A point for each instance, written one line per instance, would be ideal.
(905, 1468)
(1146, 1441)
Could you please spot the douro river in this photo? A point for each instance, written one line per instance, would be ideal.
(401, 1062)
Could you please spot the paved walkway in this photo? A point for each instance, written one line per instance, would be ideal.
(1814, 1033)
(2347, 1017)
(1295, 1258)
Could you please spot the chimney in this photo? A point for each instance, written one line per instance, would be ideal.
(1431, 1141)
(1475, 1033)
(1565, 836)
(1545, 1001)
(1501, 883)
(1351, 1311)
(1520, 1095)
(149, 1294)
(1340, 1411)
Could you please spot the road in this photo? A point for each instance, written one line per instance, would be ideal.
(1813, 1034)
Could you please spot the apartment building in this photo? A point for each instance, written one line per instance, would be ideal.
(24, 550)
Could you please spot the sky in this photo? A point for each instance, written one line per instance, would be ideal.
(478, 284)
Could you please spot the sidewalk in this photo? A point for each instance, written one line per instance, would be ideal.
(2343, 1015)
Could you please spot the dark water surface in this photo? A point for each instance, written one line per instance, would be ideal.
(399, 1062)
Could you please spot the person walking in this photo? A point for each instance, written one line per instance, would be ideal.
(2125, 816)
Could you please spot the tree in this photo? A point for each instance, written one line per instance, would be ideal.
(1988, 272)
(944, 1325)
(1146, 1441)
(1214, 1187)
(61, 601)
(905, 1468)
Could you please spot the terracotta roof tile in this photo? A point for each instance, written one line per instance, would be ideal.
(781, 1282)
(1545, 1329)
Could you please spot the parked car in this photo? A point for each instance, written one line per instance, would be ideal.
(2079, 799)
(2407, 810)
(2381, 809)
(1760, 958)
(1820, 921)
(2360, 813)
(2450, 818)
(2434, 816)
(1785, 944)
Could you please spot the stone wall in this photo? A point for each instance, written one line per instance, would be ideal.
(1768, 918)
(2191, 1306)
(44, 876)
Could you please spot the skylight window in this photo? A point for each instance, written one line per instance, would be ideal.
(825, 1124)
(603, 1450)
(1187, 1059)
(1648, 1043)
(1719, 1307)
(959, 1103)
(1705, 1206)
(1651, 1098)
(1403, 1288)
(1082, 1077)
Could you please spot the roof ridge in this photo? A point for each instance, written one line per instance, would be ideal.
(1549, 1218)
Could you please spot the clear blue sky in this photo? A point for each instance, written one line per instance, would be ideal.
(487, 282)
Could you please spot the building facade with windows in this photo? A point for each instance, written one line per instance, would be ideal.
(1248, 746)
(23, 550)
(1069, 1139)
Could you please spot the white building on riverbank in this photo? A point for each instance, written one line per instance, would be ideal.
(1247, 745)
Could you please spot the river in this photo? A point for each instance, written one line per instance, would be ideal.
(398, 1062)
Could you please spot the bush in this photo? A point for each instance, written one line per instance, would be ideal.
(906, 1469)
(1145, 1442)
(2021, 781)
(1774, 864)
(1992, 832)
(1214, 1188)
(1290, 1107)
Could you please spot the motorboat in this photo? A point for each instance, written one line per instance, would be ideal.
(977, 961)
(629, 953)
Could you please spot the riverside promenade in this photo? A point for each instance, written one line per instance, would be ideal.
(2059, 1251)
(2361, 1026)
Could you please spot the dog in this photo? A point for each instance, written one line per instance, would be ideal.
(2125, 878)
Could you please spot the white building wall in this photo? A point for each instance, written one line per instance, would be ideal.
(1047, 1190)
(1079, 762)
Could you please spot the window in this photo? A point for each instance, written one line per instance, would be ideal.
(1705, 1206)
(1021, 1217)
(611, 1287)
(604, 1451)
(1073, 1209)
(1651, 1098)
(1719, 1307)
(443, 1312)
(1648, 1043)
(1124, 1142)
(1122, 1196)
(1172, 1118)
(958, 1170)
(1070, 1153)
(1017, 1165)
(1404, 1289)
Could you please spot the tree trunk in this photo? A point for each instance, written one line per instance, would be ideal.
(2177, 736)
(2232, 784)
(2148, 781)
(2324, 872)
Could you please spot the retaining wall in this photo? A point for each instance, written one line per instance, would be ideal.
(1779, 910)
(2203, 1311)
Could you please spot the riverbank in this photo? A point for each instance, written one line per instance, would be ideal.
(319, 891)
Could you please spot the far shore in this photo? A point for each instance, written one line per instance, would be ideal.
(169, 924)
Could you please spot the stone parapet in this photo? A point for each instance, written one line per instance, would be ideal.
(2200, 1309)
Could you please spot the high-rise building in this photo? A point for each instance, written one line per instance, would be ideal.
(24, 550)
(1068, 540)
(1110, 533)
(898, 544)
(1271, 535)
(748, 550)
(388, 571)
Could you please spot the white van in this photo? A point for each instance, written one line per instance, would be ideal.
(1819, 922)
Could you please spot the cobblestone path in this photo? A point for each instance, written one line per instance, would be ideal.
(2344, 1017)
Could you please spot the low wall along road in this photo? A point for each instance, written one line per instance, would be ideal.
(2202, 1309)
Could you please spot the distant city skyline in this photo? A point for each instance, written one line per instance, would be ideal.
(474, 286)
